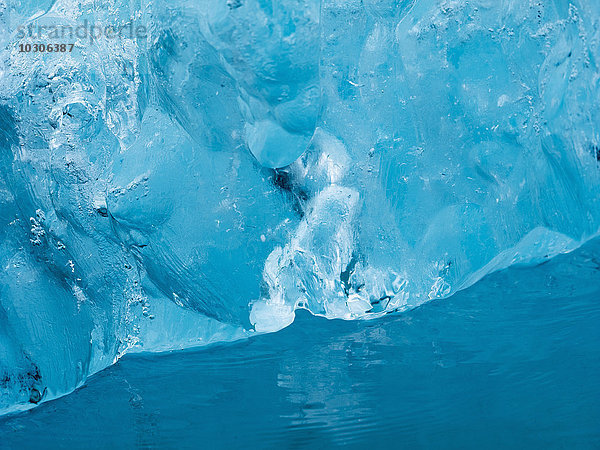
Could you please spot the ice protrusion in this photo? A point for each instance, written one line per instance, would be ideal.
(272, 145)
(306, 272)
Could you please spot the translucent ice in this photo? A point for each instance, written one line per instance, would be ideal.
(240, 160)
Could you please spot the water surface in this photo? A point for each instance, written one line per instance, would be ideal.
(512, 362)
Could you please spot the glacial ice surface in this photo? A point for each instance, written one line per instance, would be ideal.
(248, 158)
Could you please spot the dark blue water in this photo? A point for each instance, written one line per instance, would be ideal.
(512, 362)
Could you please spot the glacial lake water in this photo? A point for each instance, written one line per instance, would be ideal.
(513, 362)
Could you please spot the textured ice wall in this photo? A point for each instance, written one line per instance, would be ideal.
(249, 158)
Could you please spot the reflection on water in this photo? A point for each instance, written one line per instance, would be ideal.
(513, 361)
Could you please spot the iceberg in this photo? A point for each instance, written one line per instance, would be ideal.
(229, 163)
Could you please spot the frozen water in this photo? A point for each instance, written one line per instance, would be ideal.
(244, 159)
